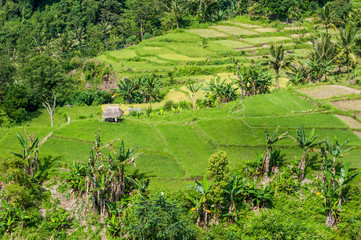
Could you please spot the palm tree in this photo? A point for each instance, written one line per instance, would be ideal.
(194, 88)
(278, 61)
(126, 89)
(306, 144)
(346, 42)
(271, 139)
(326, 17)
(176, 7)
(105, 29)
(151, 87)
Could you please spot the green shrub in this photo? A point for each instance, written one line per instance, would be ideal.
(157, 218)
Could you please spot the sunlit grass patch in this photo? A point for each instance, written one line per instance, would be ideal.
(244, 25)
(191, 50)
(263, 30)
(282, 102)
(317, 120)
(261, 40)
(228, 132)
(123, 54)
(231, 30)
(207, 33)
(327, 91)
(233, 44)
(179, 57)
(188, 147)
(178, 37)
(147, 51)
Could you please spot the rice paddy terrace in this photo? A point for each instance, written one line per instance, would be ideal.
(208, 50)
(176, 147)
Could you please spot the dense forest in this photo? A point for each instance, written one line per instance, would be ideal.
(286, 180)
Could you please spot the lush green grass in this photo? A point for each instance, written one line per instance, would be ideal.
(308, 120)
(191, 151)
(176, 147)
(284, 102)
(231, 30)
(228, 132)
(207, 33)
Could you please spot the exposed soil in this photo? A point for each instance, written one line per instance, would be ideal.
(348, 105)
(328, 91)
(351, 122)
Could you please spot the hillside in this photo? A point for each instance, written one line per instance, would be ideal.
(176, 147)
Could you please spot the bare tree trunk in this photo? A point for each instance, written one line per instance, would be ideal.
(303, 165)
(330, 219)
(266, 161)
(355, 73)
(50, 108)
(292, 37)
(176, 21)
(194, 101)
(348, 72)
(141, 30)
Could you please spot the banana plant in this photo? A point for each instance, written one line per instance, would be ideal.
(30, 151)
(200, 202)
(307, 144)
(336, 150)
(194, 88)
(233, 190)
(117, 165)
(141, 186)
(270, 140)
(332, 192)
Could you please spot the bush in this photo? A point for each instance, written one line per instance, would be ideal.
(168, 105)
(157, 218)
(91, 97)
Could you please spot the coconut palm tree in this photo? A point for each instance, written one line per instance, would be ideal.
(194, 88)
(326, 17)
(307, 144)
(346, 42)
(278, 61)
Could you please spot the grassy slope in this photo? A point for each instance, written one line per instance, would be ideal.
(176, 147)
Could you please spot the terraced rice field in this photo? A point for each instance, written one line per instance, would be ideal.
(328, 91)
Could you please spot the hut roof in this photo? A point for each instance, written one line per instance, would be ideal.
(112, 112)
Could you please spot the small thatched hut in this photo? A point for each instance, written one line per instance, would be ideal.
(112, 113)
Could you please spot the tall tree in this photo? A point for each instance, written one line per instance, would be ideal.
(194, 88)
(278, 61)
(346, 42)
(326, 17)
